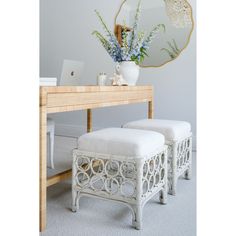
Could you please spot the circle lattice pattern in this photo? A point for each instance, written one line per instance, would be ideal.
(183, 154)
(153, 173)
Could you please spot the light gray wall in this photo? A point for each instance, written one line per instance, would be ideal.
(65, 33)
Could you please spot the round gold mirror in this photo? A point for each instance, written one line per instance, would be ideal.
(176, 15)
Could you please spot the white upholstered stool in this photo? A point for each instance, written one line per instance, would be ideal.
(178, 137)
(124, 165)
(51, 132)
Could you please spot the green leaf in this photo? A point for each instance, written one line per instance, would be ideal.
(144, 52)
(172, 56)
(135, 25)
(103, 23)
(172, 47)
(175, 45)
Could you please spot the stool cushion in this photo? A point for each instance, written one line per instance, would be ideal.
(172, 130)
(122, 142)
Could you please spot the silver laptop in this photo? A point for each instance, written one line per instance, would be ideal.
(71, 72)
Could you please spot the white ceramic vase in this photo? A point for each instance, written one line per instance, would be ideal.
(129, 70)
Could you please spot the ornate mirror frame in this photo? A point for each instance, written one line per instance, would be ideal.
(118, 31)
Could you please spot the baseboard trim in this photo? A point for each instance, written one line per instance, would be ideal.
(71, 130)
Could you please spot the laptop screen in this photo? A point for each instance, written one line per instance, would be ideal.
(71, 72)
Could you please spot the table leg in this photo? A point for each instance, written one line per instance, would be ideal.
(150, 110)
(43, 169)
(89, 120)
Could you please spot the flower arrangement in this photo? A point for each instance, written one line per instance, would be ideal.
(134, 45)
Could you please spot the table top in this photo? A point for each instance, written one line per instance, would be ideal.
(70, 98)
(91, 88)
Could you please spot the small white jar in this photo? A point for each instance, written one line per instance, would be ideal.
(101, 79)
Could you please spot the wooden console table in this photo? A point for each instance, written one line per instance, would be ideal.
(72, 98)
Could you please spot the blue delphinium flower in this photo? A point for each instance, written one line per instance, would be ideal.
(134, 46)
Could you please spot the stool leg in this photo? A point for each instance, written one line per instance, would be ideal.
(173, 185)
(52, 148)
(75, 200)
(75, 192)
(188, 173)
(137, 220)
(163, 192)
(173, 177)
(163, 196)
(138, 207)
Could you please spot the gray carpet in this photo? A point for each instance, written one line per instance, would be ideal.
(105, 218)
